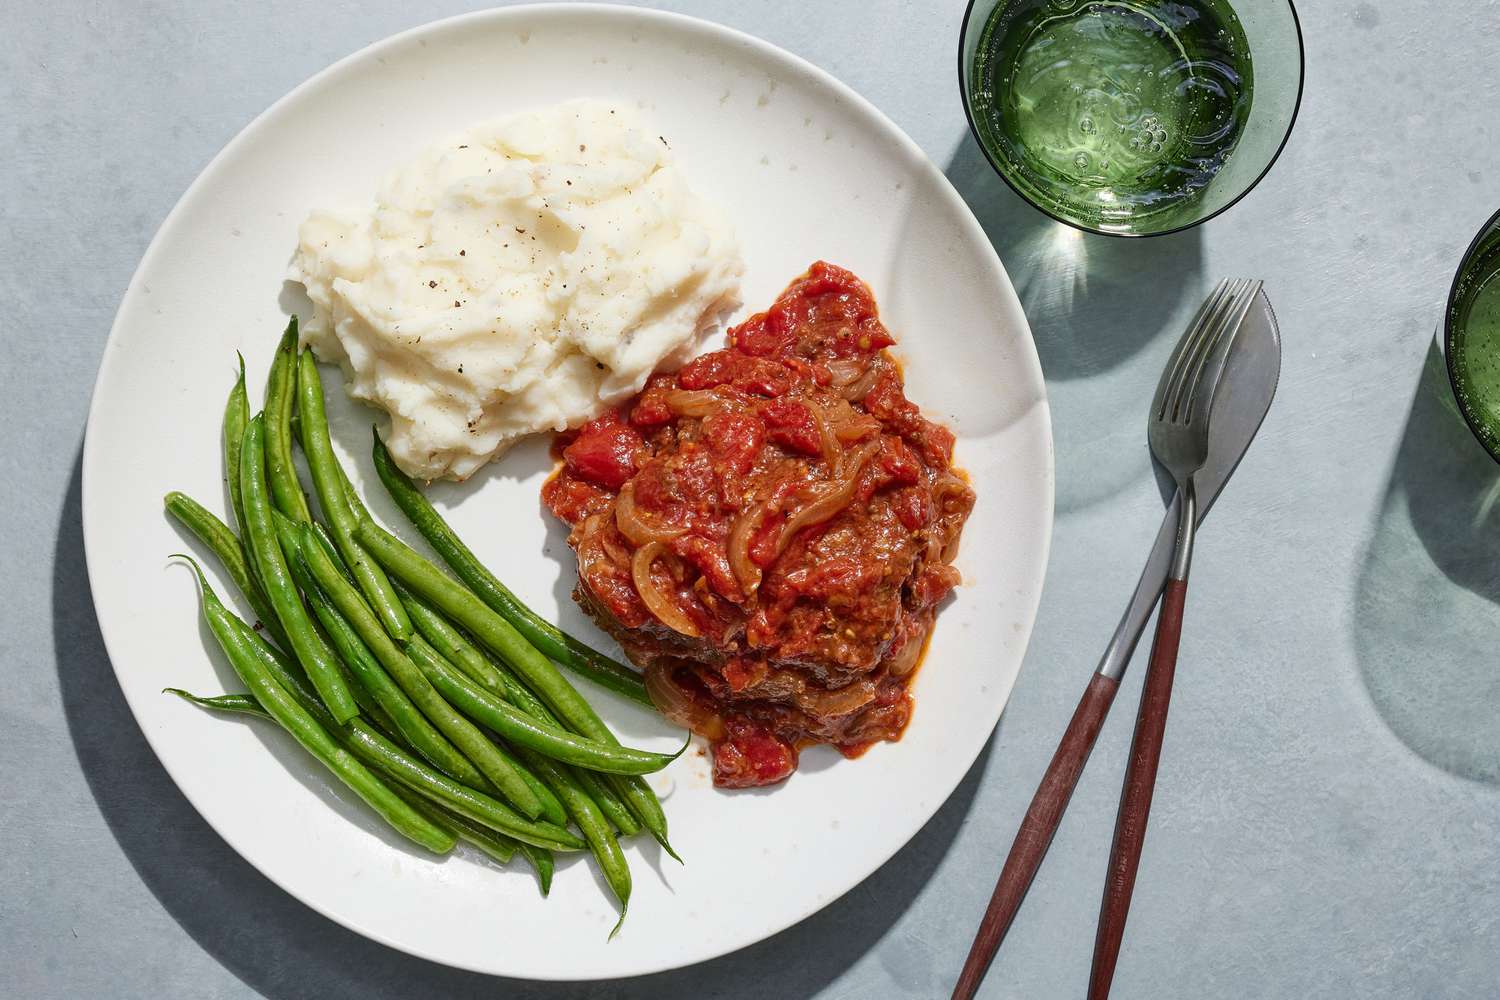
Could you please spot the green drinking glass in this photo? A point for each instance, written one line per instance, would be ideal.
(1471, 336)
(1131, 117)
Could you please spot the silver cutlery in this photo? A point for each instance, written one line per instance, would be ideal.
(1248, 364)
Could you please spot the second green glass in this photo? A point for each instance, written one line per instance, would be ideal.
(1124, 116)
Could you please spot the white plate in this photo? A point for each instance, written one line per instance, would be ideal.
(807, 170)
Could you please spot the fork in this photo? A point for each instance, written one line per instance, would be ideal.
(1200, 356)
(1178, 433)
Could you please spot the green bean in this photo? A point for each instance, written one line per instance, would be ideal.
(460, 605)
(542, 862)
(239, 704)
(480, 834)
(386, 757)
(455, 647)
(320, 662)
(596, 829)
(231, 555)
(521, 729)
(463, 733)
(600, 786)
(496, 846)
(493, 631)
(236, 416)
(604, 796)
(390, 760)
(453, 644)
(281, 398)
(552, 807)
(409, 722)
(542, 634)
(376, 750)
(610, 804)
(284, 708)
(328, 480)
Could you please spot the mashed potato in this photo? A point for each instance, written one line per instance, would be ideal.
(516, 278)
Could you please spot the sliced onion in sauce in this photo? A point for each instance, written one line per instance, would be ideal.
(679, 707)
(907, 657)
(741, 534)
(833, 500)
(822, 703)
(634, 525)
(828, 442)
(662, 605)
(846, 371)
(695, 402)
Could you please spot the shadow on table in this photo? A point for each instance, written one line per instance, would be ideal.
(282, 949)
(1433, 568)
(1103, 312)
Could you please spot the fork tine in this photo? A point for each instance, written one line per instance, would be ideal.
(1173, 380)
(1172, 373)
(1193, 370)
(1236, 316)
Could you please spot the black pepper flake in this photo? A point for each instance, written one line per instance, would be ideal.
(520, 230)
(463, 147)
(569, 183)
(432, 284)
(663, 141)
(463, 253)
(581, 147)
(461, 371)
(456, 304)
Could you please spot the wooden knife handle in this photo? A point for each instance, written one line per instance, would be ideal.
(1035, 835)
(1140, 782)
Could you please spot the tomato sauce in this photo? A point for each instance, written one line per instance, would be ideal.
(769, 531)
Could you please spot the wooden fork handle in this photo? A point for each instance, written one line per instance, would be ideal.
(1035, 835)
(1140, 782)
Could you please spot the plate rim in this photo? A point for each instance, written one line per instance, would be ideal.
(1030, 362)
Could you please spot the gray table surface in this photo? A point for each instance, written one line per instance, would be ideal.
(1326, 816)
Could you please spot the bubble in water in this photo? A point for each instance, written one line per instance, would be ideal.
(1081, 161)
(1086, 126)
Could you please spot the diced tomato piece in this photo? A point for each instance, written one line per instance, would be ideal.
(651, 409)
(936, 442)
(755, 376)
(765, 334)
(708, 557)
(913, 506)
(605, 452)
(735, 438)
(899, 461)
(751, 756)
(887, 402)
(791, 425)
(571, 499)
